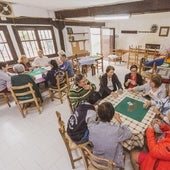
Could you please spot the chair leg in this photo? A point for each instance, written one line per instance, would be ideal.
(60, 96)
(38, 106)
(21, 110)
(51, 95)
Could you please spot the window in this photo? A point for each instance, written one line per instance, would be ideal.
(7, 52)
(33, 38)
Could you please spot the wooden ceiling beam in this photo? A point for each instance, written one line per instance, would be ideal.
(139, 7)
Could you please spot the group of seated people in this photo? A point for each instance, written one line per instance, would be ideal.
(21, 76)
(91, 122)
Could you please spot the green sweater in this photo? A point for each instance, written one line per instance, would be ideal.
(78, 94)
(22, 79)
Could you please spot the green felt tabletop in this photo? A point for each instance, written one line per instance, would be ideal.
(131, 108)
(37, 71)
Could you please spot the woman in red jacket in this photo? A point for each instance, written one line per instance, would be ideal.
(158, 157)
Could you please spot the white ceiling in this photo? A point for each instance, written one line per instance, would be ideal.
(66, 4)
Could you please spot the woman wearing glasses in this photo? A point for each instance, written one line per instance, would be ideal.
(133, 78)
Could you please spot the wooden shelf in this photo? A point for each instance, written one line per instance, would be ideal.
(79, 40)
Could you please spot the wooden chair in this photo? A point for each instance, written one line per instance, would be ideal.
(70, 145)
(132, 57)
(115, 56)
(146, 71)
(4, 99)
(93, 162)
(23, 96)
(62, 86)
(75, 63)
(69, 103)
(99, 62)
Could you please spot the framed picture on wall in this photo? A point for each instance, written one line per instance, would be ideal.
(164, 31)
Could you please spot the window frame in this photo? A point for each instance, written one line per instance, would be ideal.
(10, 44)
(36, 29)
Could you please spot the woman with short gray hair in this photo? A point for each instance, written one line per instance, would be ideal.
(22, 78)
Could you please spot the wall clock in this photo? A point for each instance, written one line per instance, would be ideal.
(154, 28)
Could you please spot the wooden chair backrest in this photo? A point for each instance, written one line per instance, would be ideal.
(23, 93)
(69, 102)
(70, 145)
(93, 162)
(61, 125)
(62, 81)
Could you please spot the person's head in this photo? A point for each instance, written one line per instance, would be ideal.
(155, 81)
(110, 71)
(133, 69)
(23, 59)
(93, 97)
(54, 64)
(63, 57)
(106, 111)
(80, 80)
(3, 66)
(19, 68)
(40, 53)
(61, 52)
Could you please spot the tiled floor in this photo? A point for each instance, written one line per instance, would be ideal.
(34, 143)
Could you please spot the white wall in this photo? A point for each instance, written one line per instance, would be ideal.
(141, 23)
(76, 29)
(21, 10)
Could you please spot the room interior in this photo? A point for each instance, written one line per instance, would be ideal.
(34, 142)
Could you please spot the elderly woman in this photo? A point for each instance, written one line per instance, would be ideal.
(80, 90)
(133, 78)
(22, 79)
(154, 89)
(5, 79)
(107, 137)
(24, 61)
(109, 83)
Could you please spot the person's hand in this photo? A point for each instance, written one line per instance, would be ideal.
(147, 104)
(120, 91)
(156, 121)
(156, 110)
(133, 82)
(150, 94)
(129, 81)
(114, 94)
(117, 117)
(96, 107)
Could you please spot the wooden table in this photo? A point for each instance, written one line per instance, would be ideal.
(137, 127)
(37, 75)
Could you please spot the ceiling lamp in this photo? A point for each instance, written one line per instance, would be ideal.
(112, 17)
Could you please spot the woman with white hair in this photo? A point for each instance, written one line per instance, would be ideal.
(22, 79)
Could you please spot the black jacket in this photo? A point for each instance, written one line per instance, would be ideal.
(77, 125)
(104, 90)
(139, 80)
